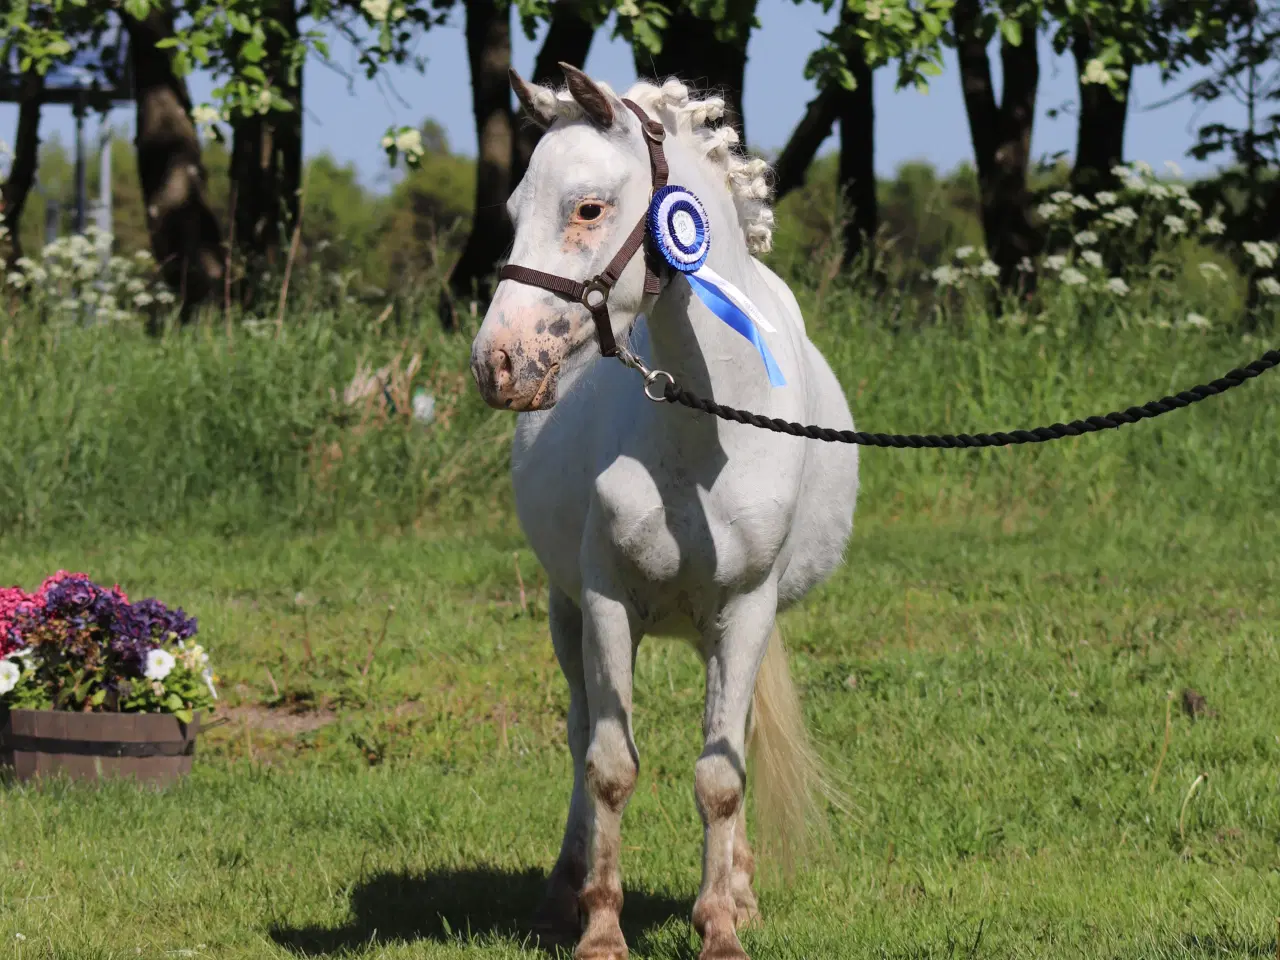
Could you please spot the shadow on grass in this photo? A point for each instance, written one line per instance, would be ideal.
(449, 906)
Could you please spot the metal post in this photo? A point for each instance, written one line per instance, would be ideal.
(104, 179)
(82, 189)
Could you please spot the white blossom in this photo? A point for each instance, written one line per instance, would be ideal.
(1083, 203)
(1061, 196)
(945, 275)
(1121, 216)
(1117, 286)
(1158, 190)
(988, 269)
(9, 676)
(1093, 258)
(1211, 271)
(1263, 252)
(1047, 211)
(1073, 277)
(1197, 321)
(1106, 198)
(159, 664)
(1270, 286)
(1186, 203)
(1175, 224)
(377, 10)
(964, 253)
(1086, 237)
(1215, 226)
(1095, 71)
(1055, 262)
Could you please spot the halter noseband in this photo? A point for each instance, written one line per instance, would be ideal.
(594, 293)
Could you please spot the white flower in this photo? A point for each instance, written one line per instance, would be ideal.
(207, 674)
(388, 142)
(1106, 197)
(1135, 184)
(9, 676)
(1117, 286)
(409, 142)
(1175, 224)
(1121, 216)
(987, 268)
(1263, 252)
(1158, 190)
(1047, 211)
(1055, 262)
(159, 664)
(1270, 286)
(945, 275)
(205, 115)
(164, 296)
(1083, 203)
(1215, 226)
(1189, 205)
(1143, 168)
(964, 253)
(1086, 237)
(376, 9)
(17, 280)
(1093, 258)
(1061, 196)
(874, 10)
(1025, 265)
(1121, 172)
(1073, 277)
(1211, 271)
(1197, 321)
(143, 299)
(264, 100)
(1173, 168)
(1178, 190)
(1095, 71)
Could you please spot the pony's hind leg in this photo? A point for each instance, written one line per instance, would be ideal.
(612, 766)
(557, 920)
(735, 647)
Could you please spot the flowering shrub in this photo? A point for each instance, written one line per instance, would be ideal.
(1087, 236)
(74, 645)
(77, 274)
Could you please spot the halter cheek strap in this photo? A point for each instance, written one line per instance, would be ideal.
(594, 293)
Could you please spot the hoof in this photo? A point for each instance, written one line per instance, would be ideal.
(602, 948)
(722, 948)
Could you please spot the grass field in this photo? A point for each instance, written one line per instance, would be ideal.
(996, 674)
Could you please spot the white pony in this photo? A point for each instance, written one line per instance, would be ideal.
(650, 518)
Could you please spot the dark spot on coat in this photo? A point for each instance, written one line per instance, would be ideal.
(560, 328)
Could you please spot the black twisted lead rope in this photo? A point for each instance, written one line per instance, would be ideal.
(674, 394)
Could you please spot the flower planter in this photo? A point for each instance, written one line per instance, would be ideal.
(152, 748)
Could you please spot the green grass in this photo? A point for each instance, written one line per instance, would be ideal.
(989, 673)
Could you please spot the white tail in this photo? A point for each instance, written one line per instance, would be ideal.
(788, 777)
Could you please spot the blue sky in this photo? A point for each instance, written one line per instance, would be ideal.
(348, 122)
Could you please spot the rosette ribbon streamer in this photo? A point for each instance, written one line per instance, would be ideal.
(681, 233)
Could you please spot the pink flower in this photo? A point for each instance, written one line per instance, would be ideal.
(12, 601)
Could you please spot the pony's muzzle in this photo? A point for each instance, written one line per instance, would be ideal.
(509, 382)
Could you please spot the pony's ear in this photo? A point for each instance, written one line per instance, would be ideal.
(593, 100)
(525, 94)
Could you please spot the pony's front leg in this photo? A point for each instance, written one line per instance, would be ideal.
(612, 765)
(735, 647)
(557, 920)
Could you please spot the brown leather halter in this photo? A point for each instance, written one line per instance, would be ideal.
(594, 293)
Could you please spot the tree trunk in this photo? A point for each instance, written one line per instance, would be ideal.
(26, 153)
(796, 157)
(185, 238)
(568, 40)
(1001, 135)
(692, 52)
(266, 166)
(857, 175)
(1100, 135)
(489, 54)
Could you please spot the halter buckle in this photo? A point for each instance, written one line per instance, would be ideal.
(595, 285)
(654, 130)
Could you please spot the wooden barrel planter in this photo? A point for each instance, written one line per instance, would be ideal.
(152, 748)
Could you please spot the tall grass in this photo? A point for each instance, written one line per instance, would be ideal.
(234, 426)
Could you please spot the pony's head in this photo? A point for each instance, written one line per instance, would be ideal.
(588, 184)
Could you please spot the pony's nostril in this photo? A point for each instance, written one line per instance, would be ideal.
(500, 364)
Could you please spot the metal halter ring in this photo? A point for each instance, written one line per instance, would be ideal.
(651, 378)
(595, 285)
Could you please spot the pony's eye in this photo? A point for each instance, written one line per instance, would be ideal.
(588, 211)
